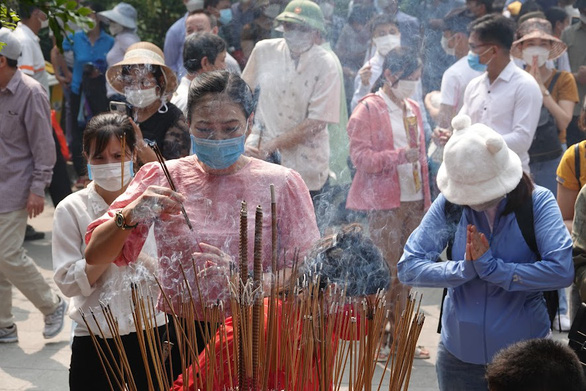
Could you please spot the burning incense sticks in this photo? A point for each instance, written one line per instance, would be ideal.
(161, 160)
(311, 333)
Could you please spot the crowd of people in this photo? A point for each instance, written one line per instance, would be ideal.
(453, 130)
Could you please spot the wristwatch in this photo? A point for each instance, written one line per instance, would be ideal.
(121, 221)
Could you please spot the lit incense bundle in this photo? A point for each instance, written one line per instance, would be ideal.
(412, 130)
(258, 309)
(243, 311)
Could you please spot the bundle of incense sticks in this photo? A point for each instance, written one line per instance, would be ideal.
(312, 336)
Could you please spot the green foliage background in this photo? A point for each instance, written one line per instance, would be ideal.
(154, 17)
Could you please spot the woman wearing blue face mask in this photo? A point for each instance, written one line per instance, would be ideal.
(111, 169)
(210, 185)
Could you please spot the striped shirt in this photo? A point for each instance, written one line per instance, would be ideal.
(27, 149)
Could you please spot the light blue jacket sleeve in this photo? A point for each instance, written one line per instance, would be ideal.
(418, 265)
(554, 270)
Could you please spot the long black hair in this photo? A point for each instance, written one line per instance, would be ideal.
(519, 195)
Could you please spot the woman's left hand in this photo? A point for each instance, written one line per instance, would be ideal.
(476, 243)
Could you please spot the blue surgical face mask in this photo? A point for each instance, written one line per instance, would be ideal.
(218, 154)
(225, 16)
(474, 62)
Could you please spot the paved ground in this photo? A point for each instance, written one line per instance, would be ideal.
(38, 364)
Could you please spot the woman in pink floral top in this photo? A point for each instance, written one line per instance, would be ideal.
(211, 185)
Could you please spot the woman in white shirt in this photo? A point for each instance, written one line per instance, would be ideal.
(87, 285)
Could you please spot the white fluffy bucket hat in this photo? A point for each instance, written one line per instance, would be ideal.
(478, 166)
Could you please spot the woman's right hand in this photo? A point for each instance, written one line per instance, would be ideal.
(155, 202)
(365, 74)
(440, 136)
(412, 155)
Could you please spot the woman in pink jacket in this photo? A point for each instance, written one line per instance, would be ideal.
(387, 146)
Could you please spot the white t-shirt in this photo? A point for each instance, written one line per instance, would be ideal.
(406, 180)
(180, 96)
(72, 217)
(291, 92)
(31, 61)
(454, 82)
(232, 65)
(510, 105)
(121, 42)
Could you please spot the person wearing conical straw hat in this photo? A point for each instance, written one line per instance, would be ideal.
(537, 47)
(495, 277)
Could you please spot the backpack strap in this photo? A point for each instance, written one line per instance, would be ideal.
(526, 221)
(555, 78)
(577, 163)
(453, 215)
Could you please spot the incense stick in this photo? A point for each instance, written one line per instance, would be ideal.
(161, 159)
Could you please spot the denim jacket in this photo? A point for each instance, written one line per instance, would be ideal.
(495, 300)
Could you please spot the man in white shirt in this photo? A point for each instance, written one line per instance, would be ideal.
(299, 95)
(504, 97)
(31, 61)
(456, 77)
(202, 52)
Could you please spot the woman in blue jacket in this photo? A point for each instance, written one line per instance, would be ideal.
(495, 280)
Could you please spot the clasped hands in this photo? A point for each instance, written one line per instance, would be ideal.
(476, 243)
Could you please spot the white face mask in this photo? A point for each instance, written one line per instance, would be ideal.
(386, 43)
(444, 42)
(542, 55)
(109, 176)
(404, 88)
(298, 41)
(115, 28)
(141, 98)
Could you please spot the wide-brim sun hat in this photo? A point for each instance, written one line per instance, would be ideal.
(557, 47)
(124, 14)
(141, 53)
(303, 12)
(478, 167)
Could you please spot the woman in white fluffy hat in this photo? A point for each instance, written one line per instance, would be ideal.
(496, 278)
